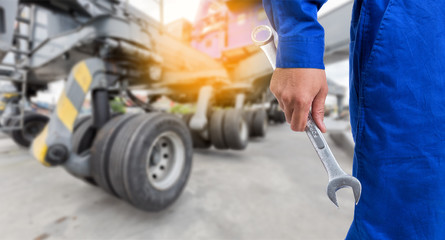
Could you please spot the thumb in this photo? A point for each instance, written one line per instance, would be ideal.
(318, 110)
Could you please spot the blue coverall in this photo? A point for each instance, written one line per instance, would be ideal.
(397, 107)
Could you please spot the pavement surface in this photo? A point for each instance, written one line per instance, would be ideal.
(275, 189)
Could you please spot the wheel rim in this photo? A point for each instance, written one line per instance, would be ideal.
(32, 129)
(165, 160)
(243, 130)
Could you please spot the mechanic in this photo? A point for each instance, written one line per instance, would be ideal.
(397, 106)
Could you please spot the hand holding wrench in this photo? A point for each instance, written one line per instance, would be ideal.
(337, 177)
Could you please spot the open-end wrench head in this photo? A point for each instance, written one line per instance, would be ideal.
(343, 182)
(262, 35)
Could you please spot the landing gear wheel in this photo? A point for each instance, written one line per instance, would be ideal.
(33, 124)
(216, 130)
(100, 151)
(235, 128)
(259, 123)
(83, 135)
(79, 121)
(248, 116)
(279, 116)
(82, 139)
(151, 160)
(275, 113)
(198, 140)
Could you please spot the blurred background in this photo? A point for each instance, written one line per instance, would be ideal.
(192, 59)
(191, 21)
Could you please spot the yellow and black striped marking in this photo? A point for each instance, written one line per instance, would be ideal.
(60, 127)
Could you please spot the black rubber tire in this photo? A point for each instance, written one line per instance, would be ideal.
(79, 121)
(279, 116)
(20, 137)
(128, 164)
(82, 139)
(216, 130)
(248, 116)
(83, 135)
(259, 123)
(198, 140)
(117, 154)
(233, 125)
(275, 113)
(100, 151)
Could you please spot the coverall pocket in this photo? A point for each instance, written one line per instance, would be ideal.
(367, 68)
(379, 36)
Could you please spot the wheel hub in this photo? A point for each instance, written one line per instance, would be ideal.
(165, 160)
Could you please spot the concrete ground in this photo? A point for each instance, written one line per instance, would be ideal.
(275, 189)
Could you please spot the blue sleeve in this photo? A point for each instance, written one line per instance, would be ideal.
(300, 36)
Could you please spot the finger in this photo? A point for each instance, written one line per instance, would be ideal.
(318, 110)
(281, 105)
(288, 113)
(299, 118)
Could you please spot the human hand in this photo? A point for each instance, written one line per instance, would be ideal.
(297, 90)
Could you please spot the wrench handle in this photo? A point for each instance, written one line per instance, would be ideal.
(322, 148)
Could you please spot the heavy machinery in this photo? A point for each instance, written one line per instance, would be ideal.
(222, 30)
(106, 48)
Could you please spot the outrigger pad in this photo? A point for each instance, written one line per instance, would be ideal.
(8, 13)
